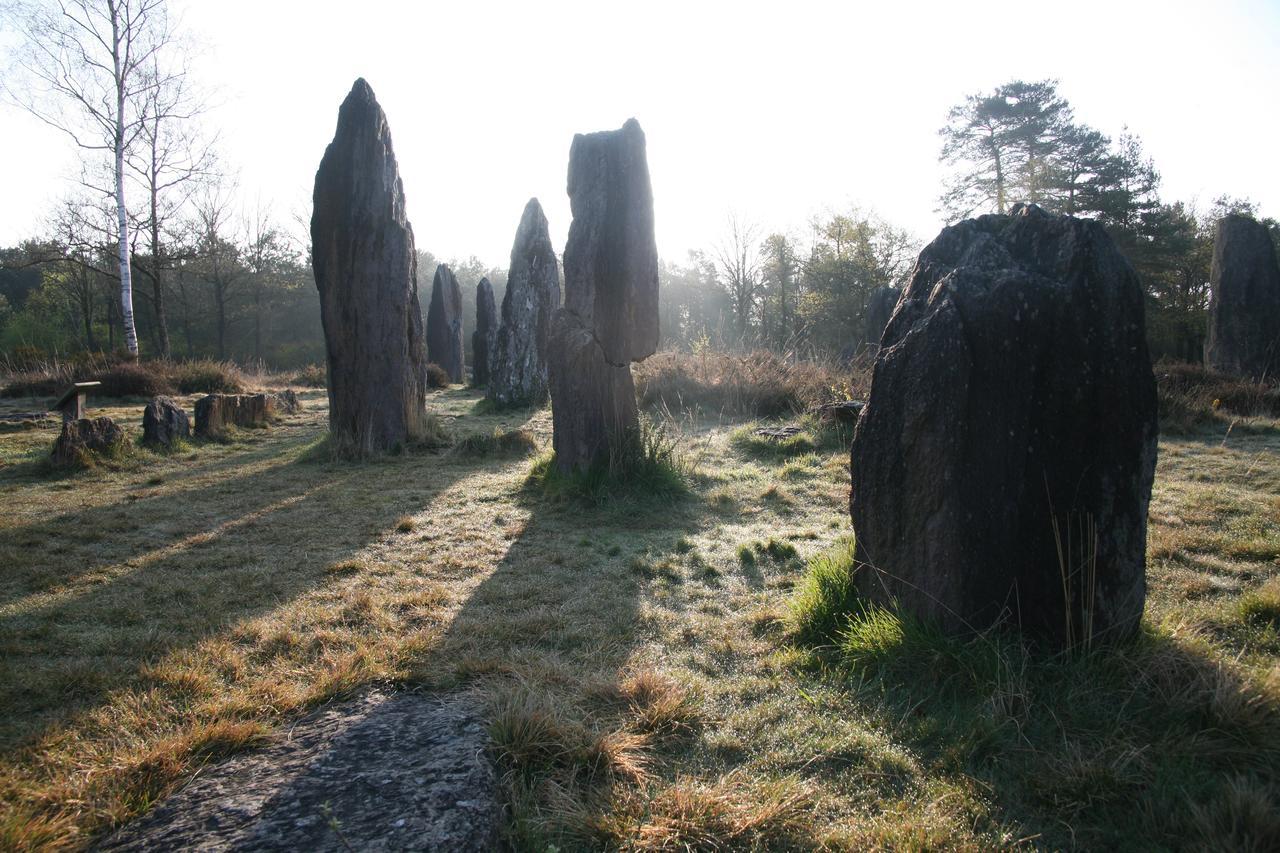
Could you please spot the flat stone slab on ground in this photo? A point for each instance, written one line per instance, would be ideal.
(383, 772)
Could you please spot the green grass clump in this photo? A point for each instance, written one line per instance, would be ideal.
(777, 549)
(1261, 607)
(763, 447)
(826, 597)
(498, 442)
(645, 467)
(746, 555)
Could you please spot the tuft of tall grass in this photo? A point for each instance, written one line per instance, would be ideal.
(826, 597)
(1191, 397)
(760, 384)
(649, 464)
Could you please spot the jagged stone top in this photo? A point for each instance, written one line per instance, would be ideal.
(533, 229)
(360, 162)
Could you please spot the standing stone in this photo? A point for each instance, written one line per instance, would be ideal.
(217, 412)
(82, 441)
(518, 374)
(164, 422)
(1011, 420)
(1244, 303)
(365, 270)
(610, 316)
(485, 335)
(879, 310)
(444, 324)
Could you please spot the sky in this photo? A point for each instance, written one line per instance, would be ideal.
(772, 112)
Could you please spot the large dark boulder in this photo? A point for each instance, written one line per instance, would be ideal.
(164, 422)
(1244, 302)
(879, 310)
(1003, 464)
(610, 315)
(518, 373)
(485, 335)
(444, 324)
(365, 270)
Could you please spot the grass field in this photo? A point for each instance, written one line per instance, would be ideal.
(638, 656)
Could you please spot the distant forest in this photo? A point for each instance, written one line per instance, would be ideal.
(210, 281)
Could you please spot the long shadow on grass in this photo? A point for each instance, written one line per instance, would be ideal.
(1154, 744)
(166, 571)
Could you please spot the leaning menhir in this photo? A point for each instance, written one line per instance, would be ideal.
(1244, 303)
(610, 315)
(482, 339)
(444, 324)
(363, 255)
(518, 372)
(1003, 464)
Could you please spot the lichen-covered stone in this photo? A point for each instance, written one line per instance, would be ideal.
(444, 324)
(83, 439)
(485, 335)
(217, 412)
(1244, 302)
(1011, 422)
(518, 374)
(365, 270)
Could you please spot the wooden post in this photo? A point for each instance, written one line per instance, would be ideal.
(72, 403)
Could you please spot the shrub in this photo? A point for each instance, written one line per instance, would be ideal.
(512, 441)
(207, 377)
(134, 379)
(1191, 396)
(761, 383)
(437, 376)
(311, 376)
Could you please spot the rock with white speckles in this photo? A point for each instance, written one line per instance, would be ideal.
(1011, 419)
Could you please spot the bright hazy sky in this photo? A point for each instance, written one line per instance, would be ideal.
(775, 111)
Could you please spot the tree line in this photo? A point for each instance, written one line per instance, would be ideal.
(154, 255)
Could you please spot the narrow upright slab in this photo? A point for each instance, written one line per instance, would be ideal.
(879, 310)
(518, 374)
(444, 324)
(485, 335)
(1003, 464)
(610, 316)
(365, 270)
(1244, 302)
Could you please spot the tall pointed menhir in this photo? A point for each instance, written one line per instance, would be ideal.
(518, 372)
(444, 324)
(365, 270)
(610, 315)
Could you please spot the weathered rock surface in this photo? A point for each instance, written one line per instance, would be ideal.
(164, 422)
(216, 412)
(486, 333)
(1244, 302)
(391, 772)
(86, 436)
(518, 375)
(287, 401)
(444, 324)
(1012, 413)
(610, 315)
(879, 310)
(365, 270)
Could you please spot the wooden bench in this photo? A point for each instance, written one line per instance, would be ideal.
(71, 404)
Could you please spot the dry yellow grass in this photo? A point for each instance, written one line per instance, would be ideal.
(642, 691)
